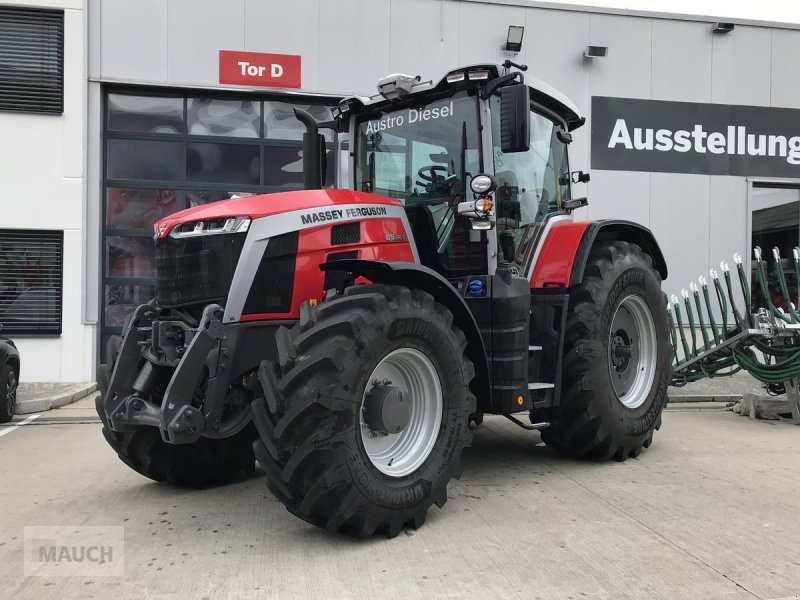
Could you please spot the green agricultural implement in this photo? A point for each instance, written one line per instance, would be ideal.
(758, 332)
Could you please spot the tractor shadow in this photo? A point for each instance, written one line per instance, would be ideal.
(244, 518)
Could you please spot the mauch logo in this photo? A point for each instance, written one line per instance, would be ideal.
(69, 551)
(687, 137)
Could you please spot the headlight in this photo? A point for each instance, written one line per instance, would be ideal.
(483, 184)
(211, 227)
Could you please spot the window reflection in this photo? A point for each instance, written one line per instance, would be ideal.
(234, 118)
(281, 124)
(132, 208)
(130, 257)
(222, 163)
(199, 197)
(151, 114)
(144, 159)
(121, 300)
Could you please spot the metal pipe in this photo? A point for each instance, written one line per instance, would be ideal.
(677, 308)
(703, 332)
(776, 254)
(704, 285)
(690, 317)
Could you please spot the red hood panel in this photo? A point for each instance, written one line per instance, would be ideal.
(265, 205)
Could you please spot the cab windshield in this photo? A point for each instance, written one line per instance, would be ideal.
(425, 156)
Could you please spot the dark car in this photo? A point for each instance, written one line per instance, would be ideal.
(9, 378)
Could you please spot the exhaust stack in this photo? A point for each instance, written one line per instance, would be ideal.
(313, 152)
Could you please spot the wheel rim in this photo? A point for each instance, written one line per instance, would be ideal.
(11, 388)
(398, 454)
(632, 351)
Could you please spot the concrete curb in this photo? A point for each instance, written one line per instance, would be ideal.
(57, 400)
(678, 399)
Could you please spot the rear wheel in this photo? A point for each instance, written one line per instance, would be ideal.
(8, 392)
(616, 357)
(365, 415)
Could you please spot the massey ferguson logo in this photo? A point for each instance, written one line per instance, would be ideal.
(325, 216)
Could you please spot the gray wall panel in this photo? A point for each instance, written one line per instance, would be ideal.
(191, 57)
(134, 40)
(728, 227)
(785, 90)
(281, 27)
(354, 44)
(741, 67)
(681, 61)
(483, 31)
(679, 218)
(553, 49)
(625, 71)
(619, 195)
(423, 46)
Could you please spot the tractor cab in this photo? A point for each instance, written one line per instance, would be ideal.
(478, 159)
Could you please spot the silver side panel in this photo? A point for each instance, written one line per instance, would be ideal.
(548, 226)
(261, 230)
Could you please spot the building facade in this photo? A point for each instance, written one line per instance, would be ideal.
(164, 109)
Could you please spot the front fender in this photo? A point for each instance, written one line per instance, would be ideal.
(421, 277)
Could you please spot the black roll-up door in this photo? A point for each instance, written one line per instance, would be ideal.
(31, 281)
(31, 60)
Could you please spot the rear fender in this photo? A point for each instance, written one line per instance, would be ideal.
(626, 231)
(421, 277)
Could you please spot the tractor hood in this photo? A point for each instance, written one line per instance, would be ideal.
(265, 205)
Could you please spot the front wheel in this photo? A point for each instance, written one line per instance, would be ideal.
(364, 418)
(616, 357)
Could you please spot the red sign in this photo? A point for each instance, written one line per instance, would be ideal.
(258, 68)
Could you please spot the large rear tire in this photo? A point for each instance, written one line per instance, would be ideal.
(324, 456)
(616, 358)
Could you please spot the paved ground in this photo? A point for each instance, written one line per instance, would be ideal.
(710, 511)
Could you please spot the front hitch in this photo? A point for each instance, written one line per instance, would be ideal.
(125, 400)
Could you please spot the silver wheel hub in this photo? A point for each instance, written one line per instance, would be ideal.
(632, 351)
(401, 412)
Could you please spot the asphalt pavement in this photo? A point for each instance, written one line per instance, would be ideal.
(709, 511)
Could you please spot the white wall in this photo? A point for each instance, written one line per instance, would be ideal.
(43, 183)
(347, 45)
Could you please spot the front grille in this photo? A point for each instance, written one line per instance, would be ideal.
(195, 270)
(346, 233)
(271, 291)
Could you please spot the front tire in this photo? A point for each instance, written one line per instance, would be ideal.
(617, 352)
(319, 446)
(206, 462)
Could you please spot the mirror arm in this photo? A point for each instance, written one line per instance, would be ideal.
(491, 87)
(571, 205)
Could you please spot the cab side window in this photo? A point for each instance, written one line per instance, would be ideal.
(531, 185)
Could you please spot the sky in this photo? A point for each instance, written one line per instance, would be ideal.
(787, 11)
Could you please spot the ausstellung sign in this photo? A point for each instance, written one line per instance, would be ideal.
(689, 137)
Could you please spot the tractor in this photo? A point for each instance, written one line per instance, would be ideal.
(351, 339)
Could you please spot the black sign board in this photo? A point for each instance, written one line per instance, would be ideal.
(689, 137)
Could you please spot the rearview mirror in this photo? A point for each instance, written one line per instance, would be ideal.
(580, 177)
(515, 118)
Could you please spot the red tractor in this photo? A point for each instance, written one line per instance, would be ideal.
(349, 339)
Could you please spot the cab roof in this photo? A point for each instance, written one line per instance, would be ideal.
(541, 93)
